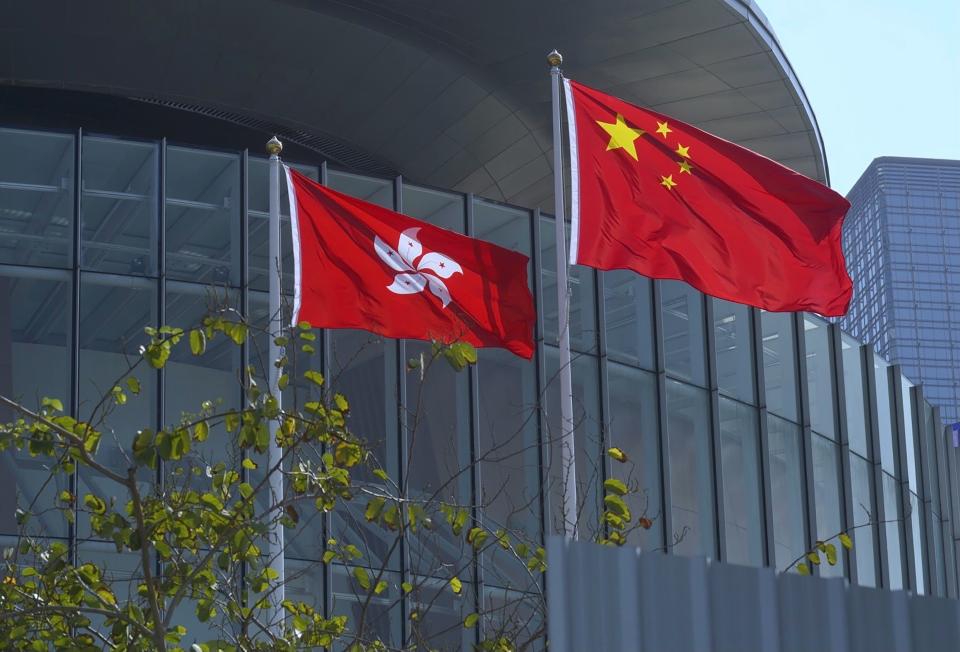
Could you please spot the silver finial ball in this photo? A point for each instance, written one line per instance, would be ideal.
(274, 146)
(554, 58)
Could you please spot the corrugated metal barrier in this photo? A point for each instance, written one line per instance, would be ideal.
(602, 599)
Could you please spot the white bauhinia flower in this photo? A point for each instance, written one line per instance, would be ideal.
(413, 276)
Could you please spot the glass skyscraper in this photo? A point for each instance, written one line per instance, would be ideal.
(902, 242)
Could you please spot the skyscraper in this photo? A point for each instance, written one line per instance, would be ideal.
(902, 241)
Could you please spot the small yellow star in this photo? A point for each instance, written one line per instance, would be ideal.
(683, 151)
(667, 182)
(684, 167)
(663, 128)
(621, 135)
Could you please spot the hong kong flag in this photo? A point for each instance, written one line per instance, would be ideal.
(358, 265)
(667, 200)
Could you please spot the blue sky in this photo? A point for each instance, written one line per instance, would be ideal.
(883, 76)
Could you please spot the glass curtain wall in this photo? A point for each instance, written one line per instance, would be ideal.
(704, 395)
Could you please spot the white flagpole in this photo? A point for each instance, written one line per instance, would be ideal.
(274, 455)
(568, 458)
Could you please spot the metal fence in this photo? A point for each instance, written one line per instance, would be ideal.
(610, 600)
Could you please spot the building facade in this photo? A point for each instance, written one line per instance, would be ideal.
(135, 194)
(902, 241)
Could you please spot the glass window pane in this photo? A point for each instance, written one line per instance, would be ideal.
(506, 226)
(633, 428)
(864, 546)
(203, 216)
(734, 343)
(583, 301)
(509, 456)
(118, 206)
(853, 396)
(742, 509)
(439, 625)
(908, 433)
(816, 337)
(587, 436)
(827, 496)
(892, 531)
(779, 364)
(443, 209)
(375, 191)
(628, 310)
(438, 450)
(363, 368)
(683, 335)
(691, 467)
(113, 313)
(885, 417)
(258, 223)
(34, 362)
(787, 495)
(381, 615)
(919, 551)
(36, 198)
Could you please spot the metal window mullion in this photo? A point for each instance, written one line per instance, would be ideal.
(473, 385)
(244, 299)
(903, 482)
(716, 443)
(666, 496)
(846, 486)
(74, 331)
(326, 343)
(541, 375)
(764, 452)
(878, 511)
(924, 501)
(402, 439)
(803, 395)
(606, 471)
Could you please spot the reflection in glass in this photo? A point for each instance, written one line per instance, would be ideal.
(852, 361)
(34, 362)
(826, 494)
(375, 191)
(379, 615)
(816, 337)
(36, 198)
(628, 310)
(683, 334)
(203, 216)
(583, 300)
(118, 207)
(733, 335)
(439, 625)
(919, 551)
(787, 495)
(885, 415)
(740, 470)
(633, 428)
(779, 364)
(506, 226)
(443, 209)
(909, 433)
(691, 470)
(864, 545)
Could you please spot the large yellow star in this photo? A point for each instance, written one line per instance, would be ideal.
(683, 151)
(621, 135)
(667, 182)
(684, 167)
(663, 128)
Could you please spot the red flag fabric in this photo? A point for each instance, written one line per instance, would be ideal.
(668, 200)
(358, 265)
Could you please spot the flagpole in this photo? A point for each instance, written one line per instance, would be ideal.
(568, 460)
(274, 454)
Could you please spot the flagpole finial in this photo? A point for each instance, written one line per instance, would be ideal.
(554, 59)
(274, 146)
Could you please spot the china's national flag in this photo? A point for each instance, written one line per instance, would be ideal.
(667, 200)
(358, 265)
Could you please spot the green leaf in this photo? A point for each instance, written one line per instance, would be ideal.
(831, 552)
(249, 464)
(348, 454)
(471, 620)
(198, 342)
(95, 504)
(236, 332)
(157, 354)
(231, 421)
(456, 585)
(380, 587)
(341, 402)
(201, 431)
(363, 579)
(846, 541)
(616, 505)
(814, 557)
(477, 537)
(374, 509)
(314, 377)
(406, 587)
(52, 403)
(329, 556)
(133, 385)
(283, 381)
(614, 486)
(246, 490)
(802, 568)
(617, 454)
